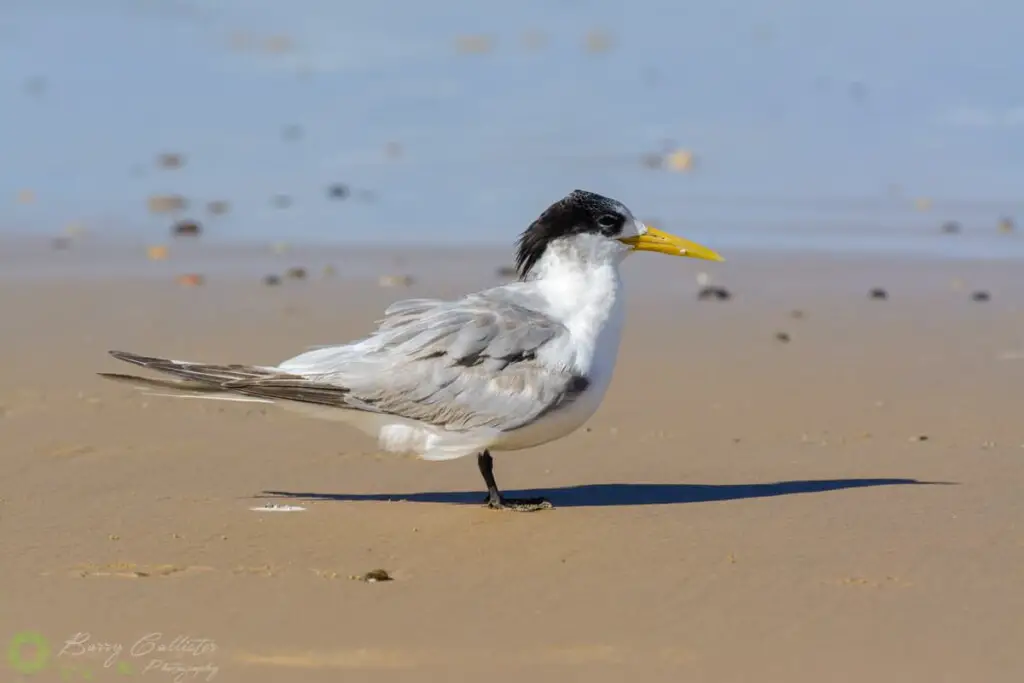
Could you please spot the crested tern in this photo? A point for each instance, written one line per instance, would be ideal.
(507, 368)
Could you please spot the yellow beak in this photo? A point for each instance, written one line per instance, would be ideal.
(664, 243)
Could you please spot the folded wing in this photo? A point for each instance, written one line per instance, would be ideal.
(487, 361)
(484, 361)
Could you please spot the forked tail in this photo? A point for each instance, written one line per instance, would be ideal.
(191, 380)
(250, 383)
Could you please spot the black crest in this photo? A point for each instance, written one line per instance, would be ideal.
(579, 212)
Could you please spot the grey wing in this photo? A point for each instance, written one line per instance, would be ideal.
(487, 361)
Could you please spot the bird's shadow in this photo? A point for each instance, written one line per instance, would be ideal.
(603, 495)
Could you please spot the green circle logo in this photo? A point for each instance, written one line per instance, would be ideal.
(28, 665)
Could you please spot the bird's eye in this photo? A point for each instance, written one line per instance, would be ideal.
(608, 221)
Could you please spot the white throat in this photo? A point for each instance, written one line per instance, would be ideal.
(579, 279)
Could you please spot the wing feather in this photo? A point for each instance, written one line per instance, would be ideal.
(478, 362)
(475, 363)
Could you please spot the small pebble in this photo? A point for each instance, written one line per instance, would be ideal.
(190, 280)
(797, 314)
(878, 293)
(981, 296)
(166, 203)
(712, 292)
(156, 253)
(395, 280)
(272, 280)
(374, 576)
(170, 160)
(507, 271)
(218, 207)
(186, 229)
(297, 273)
(782, 337)
(338, 191)
(919, 437)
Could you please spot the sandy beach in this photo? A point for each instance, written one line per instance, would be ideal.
(842, 506)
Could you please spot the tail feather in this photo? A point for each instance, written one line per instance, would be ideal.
(177, 384)
(233, 382)
(206, 373)
(181, 388)
(191, 380)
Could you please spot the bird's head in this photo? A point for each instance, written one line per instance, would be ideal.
(603, 222)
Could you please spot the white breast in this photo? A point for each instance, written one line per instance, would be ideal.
(563, 422)
(589, 302)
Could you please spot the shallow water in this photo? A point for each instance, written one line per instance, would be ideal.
(812, 130)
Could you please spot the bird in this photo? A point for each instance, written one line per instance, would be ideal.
(503, 369)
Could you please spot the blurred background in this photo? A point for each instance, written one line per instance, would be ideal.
(868, 125)
(807, 468)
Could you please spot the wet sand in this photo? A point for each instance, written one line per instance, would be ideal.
(842, 507)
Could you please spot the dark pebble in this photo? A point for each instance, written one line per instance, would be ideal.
(878, 293)
(376, 575)
(981, 296)
(186, 229)
(171, 160)
(272, 280)
(782, 337)
(716, 293)
(338, 191)
(297, 273)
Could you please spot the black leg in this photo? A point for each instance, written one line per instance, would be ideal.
(495, 500)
